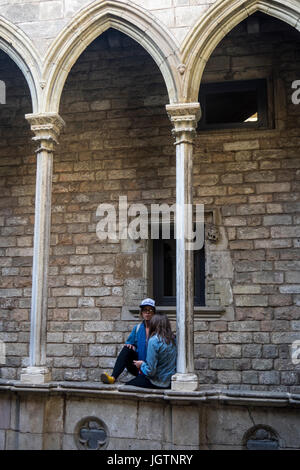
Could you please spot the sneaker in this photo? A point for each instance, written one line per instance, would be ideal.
(107, 379)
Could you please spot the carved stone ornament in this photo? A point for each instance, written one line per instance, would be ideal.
(91, 434)
(212, 232)
(47, 128)
(181, 68)
(261, 438)
(184, 117)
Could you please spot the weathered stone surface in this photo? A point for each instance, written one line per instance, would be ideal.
(229, 377)
(30, 441)
(120, 421)
(228, 350)
(269, 377)
(183, 420)
(59, 350)
(96, 350)
(54, 415)
(5, 408)
(118, 142)
(262, 364)
(241, 145)
(2, 440)
(31, 418)
(250, 377)
(252, 350)
(151, 421)
(52, 441)
(225, 434)
(236, 337)
(128, 266)
(269, 351)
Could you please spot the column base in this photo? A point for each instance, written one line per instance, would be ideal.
(184, 382)
(35, 375)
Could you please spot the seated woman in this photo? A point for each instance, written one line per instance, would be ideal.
(160, 364)
(135, 347)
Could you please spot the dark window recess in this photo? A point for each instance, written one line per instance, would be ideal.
(228, 105)
(164, 273)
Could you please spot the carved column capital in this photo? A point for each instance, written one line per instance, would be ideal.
(184, 117)
(47, 128)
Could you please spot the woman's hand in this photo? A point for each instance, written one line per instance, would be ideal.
(138, 364)
(130, 346)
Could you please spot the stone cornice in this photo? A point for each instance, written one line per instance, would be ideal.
(184, 117)
(210, 395)
(47, 128)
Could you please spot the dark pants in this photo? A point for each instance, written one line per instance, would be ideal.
(125, 361)
(144, 382)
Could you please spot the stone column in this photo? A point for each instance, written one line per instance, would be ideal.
(184, 117)
(46, 128)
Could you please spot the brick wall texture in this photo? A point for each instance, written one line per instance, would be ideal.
(118, 141)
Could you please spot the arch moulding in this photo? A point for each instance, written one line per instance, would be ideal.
(18, 46)
(90, 23)
(219, 20)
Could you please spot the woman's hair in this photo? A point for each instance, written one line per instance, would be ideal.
(160, 326)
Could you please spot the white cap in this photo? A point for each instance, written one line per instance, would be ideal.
(149, 302)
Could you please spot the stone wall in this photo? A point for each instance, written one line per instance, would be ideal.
(115, 142)
(17, 189)
(118, 142)
(253, 176)
(42, 20)
(51, 418)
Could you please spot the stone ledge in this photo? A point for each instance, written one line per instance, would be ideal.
(209, 396)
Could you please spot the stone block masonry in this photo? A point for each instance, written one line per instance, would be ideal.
(118, 142)
(52, 420)
(257, 190)
(116, 133)
(42, 20)
(17, 189)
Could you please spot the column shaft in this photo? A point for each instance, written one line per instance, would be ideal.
(42, 224)
(184, 261)
(46, 128)
(184, 117)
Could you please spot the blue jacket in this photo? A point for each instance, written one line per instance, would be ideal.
(160, 363)
(138, 339)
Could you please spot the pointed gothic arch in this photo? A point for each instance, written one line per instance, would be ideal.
(90, 23)
(219, 20)
(16, 44)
